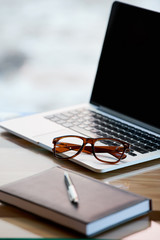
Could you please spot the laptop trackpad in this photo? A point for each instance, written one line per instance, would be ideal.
(46, 139)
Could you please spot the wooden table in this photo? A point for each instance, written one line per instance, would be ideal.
(19, 159)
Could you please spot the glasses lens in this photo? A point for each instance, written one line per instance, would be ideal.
(68, 147)
(108, 150)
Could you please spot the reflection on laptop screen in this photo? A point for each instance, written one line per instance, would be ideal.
(128, 74)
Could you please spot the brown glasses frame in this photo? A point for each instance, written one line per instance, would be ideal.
(117, 152)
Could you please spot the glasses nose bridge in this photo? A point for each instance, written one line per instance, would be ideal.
(89, 141)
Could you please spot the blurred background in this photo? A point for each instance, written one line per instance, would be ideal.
(49, 51)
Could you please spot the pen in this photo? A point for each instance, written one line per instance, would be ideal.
(73, 197)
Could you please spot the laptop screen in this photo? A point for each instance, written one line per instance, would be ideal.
(128, 75)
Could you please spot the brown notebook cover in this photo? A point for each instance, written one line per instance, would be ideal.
(101, 206)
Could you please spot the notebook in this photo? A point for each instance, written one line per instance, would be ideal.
(101, 206)
(125, 96)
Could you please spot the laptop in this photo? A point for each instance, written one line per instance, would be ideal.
(124, 102)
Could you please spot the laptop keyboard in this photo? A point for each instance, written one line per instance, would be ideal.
(94, 124)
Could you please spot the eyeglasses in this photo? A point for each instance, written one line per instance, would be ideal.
(107, 150)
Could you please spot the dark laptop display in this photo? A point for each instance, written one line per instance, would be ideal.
(128, 74)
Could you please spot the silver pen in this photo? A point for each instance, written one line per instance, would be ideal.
(73, 197)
